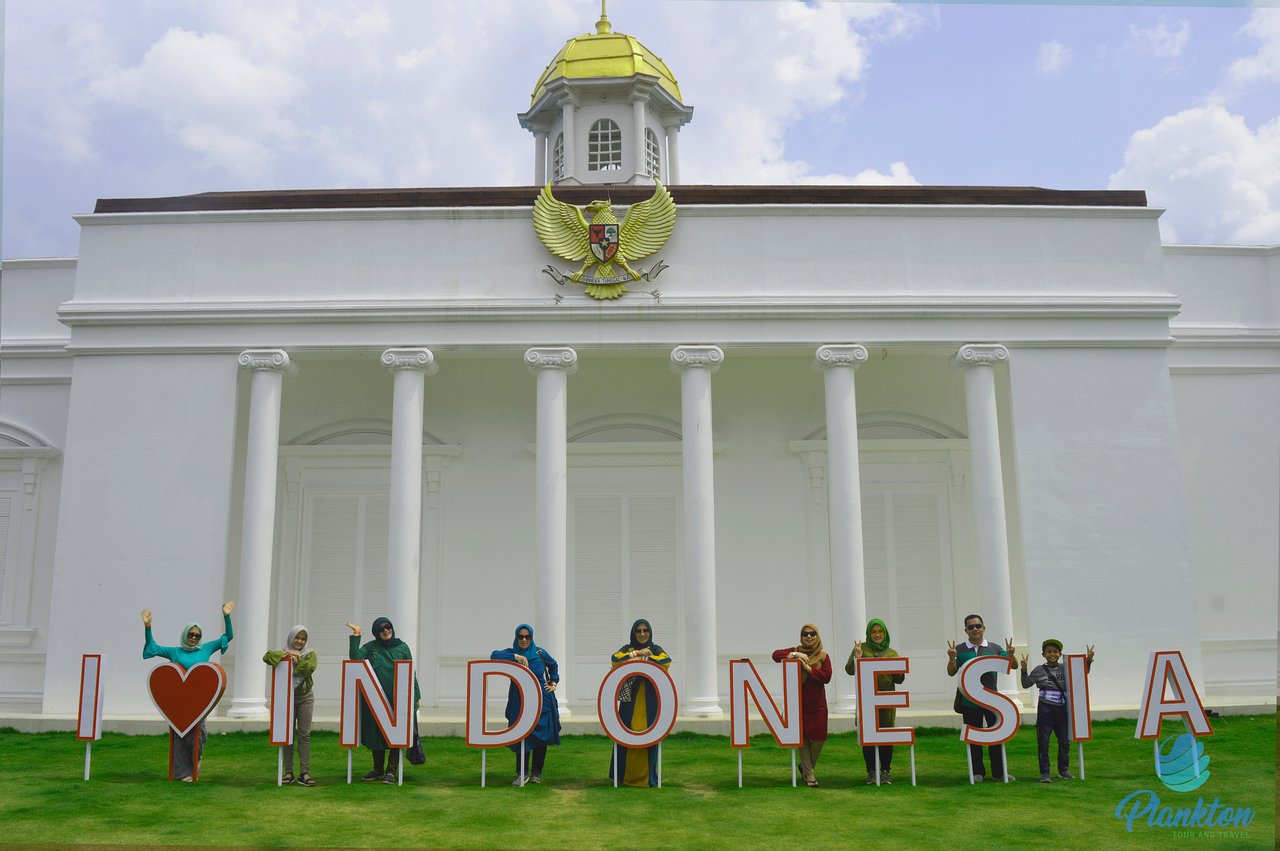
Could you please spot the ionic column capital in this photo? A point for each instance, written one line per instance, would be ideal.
(696, 357)
(850, 355)
(979, 354)
(419, 359)
(561, 358)
(270, 360)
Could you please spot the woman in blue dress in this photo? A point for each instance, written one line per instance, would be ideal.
(184, 764)
(525, 652)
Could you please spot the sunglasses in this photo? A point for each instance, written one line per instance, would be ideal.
(974, 626)
(524, 636)
(385, 629)
(193, 635)
(808, 633)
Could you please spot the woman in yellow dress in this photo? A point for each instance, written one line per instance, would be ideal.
(638, 706)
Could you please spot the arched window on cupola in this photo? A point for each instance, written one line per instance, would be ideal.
(604, 146)
(652, 155)
(557, 158)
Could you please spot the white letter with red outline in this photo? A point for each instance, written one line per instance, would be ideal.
(1167, 668)
(664, 719)
(396, 723)
(1079, 719)
(744, 683)
(1007, 719)
(89, 719)
(529, 689)
(282, 702)
(871, 700)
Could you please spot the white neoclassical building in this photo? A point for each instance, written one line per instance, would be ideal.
(835, 403)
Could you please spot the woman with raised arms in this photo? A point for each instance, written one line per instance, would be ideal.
(184, 761)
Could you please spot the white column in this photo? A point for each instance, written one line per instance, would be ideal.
(570, 140)
(673, 155)
(404, 551)
(539, 157)
(991, 538)
(844, 505)
(257, 536)
(695, 365)
(552, 366)
(637, 135)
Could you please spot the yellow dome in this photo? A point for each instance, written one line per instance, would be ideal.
(605, 54)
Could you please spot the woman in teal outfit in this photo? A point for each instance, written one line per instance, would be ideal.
(383, 653)
(526, 652)
(184, 764)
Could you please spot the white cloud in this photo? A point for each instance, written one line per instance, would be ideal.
(899, 175)
(1264, 65)
(1160, 40)
(212, 97)
(789, 62)
(1219, 180)
(1052, 57)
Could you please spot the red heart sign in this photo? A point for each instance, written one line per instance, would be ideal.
(184, 698)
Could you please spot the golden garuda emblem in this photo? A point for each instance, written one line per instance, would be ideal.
(602, 242)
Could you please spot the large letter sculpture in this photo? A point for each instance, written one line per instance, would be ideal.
(663, 721)
(1007, 719)
(1079, 721)
(1168, 668)
(89, 717)
(396, 723)
(281, 712)
(185, 698)
(745, 684)
(871, 700)
(530, 691)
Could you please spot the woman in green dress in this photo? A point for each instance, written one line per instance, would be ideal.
(383, 653)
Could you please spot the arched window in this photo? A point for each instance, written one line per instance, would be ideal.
(652, 155)
(557, 158)
(604, 146)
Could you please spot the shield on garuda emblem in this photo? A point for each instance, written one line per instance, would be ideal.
(604, 242)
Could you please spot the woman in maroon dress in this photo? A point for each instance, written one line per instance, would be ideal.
(815, 673)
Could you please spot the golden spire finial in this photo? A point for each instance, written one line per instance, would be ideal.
(602, 25)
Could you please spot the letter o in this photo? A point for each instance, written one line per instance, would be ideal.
(663, 721)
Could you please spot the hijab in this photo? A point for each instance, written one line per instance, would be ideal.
(883, 645)
(528, 652)
(182, 639)
(293, 633)
(813, 649)
(648, 645)
(377, 636)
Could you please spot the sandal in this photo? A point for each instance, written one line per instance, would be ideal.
(305, 780)
(288, 778)
(812, 782)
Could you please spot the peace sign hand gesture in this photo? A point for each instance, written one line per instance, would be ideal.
(951, 650)
(1009, 648)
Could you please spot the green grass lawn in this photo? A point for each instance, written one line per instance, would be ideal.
(43, 799)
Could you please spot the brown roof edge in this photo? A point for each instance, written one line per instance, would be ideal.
(523, 196)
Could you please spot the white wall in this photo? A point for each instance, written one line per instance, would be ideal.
(143, 520)
(1104, 522)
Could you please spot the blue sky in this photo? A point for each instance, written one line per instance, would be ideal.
(160, 97)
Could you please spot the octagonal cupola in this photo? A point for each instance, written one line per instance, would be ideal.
(606, 110)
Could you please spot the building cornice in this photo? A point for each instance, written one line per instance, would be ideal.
(621, 194)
